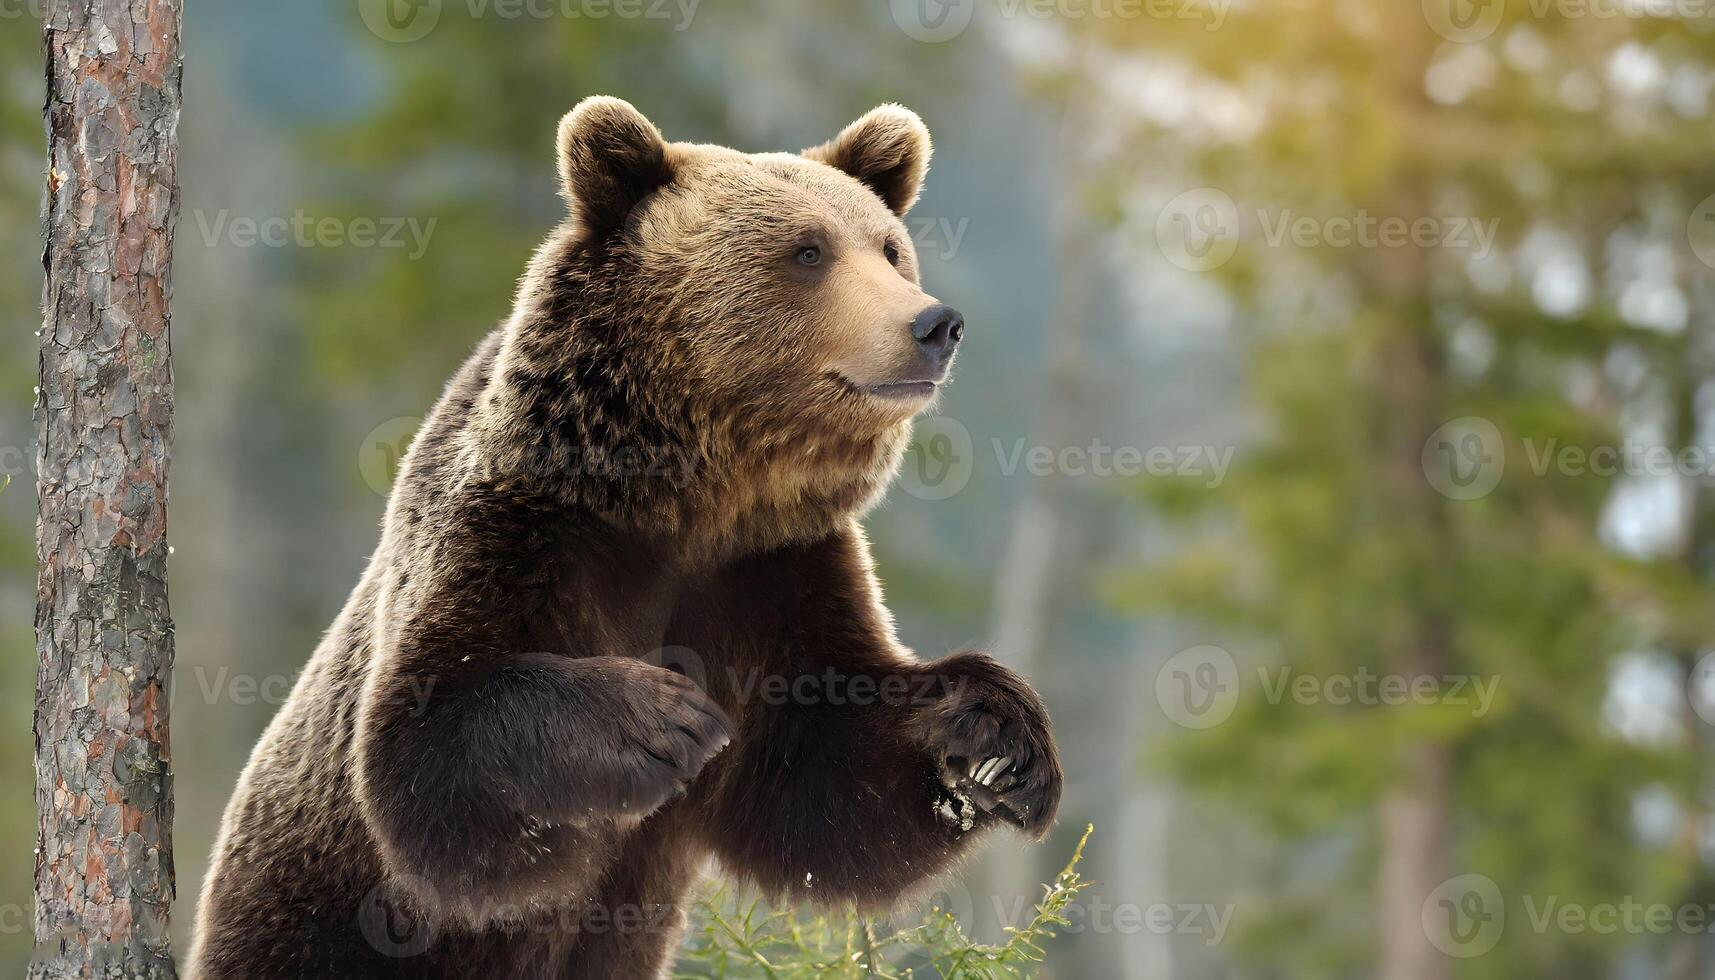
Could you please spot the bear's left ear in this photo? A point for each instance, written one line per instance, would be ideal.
(611, 157)
(888, 150)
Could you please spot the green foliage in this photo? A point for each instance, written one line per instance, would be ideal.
(736, 940)
(1330, 552)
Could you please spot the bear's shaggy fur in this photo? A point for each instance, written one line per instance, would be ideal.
(622, 618)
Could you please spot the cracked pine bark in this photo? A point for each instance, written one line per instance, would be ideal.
(104, 640)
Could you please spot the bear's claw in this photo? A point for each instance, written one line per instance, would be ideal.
(992, 744)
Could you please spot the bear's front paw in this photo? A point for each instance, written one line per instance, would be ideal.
(659, 739)
(990, 737)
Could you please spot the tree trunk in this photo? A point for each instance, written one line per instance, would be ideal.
(104, 640)
(1415, 813)
(1414, 861)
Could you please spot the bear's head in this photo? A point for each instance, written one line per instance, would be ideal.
(757, 315)
(780, 276)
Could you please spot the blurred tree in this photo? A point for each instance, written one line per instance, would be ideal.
(21, 156)
(104, 866)
(1404, 512)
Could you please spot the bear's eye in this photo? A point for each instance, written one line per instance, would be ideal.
(892, 252)
(809, 255)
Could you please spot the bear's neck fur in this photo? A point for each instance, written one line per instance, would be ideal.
(589, 407)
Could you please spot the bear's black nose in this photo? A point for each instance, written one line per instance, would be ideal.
(938, 330)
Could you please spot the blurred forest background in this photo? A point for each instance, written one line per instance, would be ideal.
(1332, 446)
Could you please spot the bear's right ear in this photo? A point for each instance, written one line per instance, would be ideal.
(611, 157)
(887, 151)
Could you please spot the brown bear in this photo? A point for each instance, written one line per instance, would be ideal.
(622, 618)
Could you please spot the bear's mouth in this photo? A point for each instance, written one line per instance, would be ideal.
(903, 389)
(897, 391)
